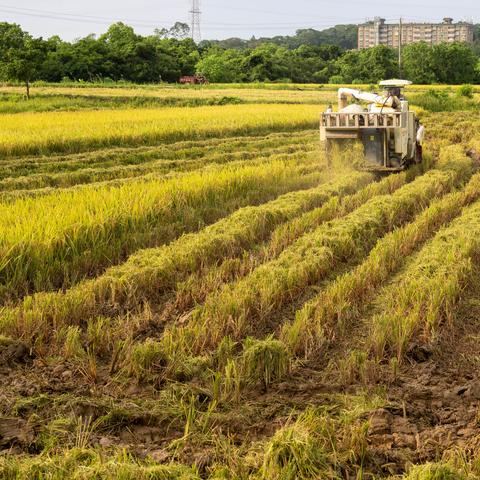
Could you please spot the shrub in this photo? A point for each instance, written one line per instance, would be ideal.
(336, 80)
(465, 91)
(442, 101)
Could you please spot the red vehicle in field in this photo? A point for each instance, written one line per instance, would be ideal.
(194, 80)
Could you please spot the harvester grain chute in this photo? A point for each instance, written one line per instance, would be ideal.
(390, 132)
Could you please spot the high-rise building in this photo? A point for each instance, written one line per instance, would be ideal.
(378, 32)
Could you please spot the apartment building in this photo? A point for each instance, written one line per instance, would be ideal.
(378, 32)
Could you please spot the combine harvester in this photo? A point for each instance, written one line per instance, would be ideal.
(391, 134)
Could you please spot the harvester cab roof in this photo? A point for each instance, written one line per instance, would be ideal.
(394, 87)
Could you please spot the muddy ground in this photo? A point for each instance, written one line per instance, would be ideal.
(432, 403)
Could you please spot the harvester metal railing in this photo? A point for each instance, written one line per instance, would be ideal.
(340, 120)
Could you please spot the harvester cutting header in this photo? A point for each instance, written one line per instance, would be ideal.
(391, 134)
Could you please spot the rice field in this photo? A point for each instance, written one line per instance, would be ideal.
(58, 132)
(309, 94)
(84, 96)
(194, 292)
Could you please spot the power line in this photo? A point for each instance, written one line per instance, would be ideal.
(102, 20)
(74, 18)
(144, 23)
(195, 20)
(207, 26)
(195, 8)
(60, 15)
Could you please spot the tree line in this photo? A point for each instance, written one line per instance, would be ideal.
(122, 55)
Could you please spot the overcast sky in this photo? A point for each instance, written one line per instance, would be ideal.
(220, 18)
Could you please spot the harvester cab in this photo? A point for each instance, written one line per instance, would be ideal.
(391, 134)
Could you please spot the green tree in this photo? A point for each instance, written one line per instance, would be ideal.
(53, 67)
(221, 65)
(344, 36)
(185, 53)
(454, 63)
(179, 31)
(266, 62)
(369, 65)
(306, 62)
(119, 42)
(418, 63)
(87, 59)
(169, 69)
(21, 55)
(477, 72)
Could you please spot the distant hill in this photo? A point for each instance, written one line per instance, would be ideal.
(344, 36)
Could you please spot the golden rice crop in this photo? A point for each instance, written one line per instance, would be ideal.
(256, 92)
(81, 463)
(288, 232)
(154, 168)
(429, 290)
(150, 272)
(275, 257)
(299, 95)
(210, 278)
(238, 308)
(37, 133)
(198, 285)
(342, 300)
(118, 157)
(57, 239)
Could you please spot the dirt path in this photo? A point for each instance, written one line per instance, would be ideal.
(434, 403)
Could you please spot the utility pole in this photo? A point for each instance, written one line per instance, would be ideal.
(195, 28)
(400, 48)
